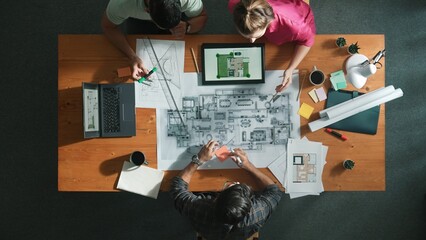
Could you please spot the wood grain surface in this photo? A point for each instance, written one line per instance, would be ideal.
(95, 164)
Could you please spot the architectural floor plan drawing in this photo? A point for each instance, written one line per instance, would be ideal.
(304, 168)
(238, 116)
(233, 64)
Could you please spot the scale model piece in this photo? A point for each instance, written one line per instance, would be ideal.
(238, 117)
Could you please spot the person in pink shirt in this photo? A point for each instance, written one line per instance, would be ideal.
(279, 21)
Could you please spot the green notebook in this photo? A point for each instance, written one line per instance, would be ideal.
(363, 122)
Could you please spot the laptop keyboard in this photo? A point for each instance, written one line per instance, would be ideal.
(111, 110)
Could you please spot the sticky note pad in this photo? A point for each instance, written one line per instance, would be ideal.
(305, 110)
(124, 72)
(338, 80)
(222, 153)
(313, 95)
(321, 94)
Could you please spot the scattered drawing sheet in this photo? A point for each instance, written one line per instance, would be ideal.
(302, 175)
(170, 54)
(141, 180)
(305, 164)
(241, 113)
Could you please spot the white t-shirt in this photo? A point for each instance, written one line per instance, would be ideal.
(119, 10)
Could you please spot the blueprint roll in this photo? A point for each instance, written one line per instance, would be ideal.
(356, 102)
(325, 121)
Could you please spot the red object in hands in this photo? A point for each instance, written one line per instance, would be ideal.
(222, 153)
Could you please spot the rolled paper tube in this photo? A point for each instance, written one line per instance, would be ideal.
(325, 121)
(356, 102)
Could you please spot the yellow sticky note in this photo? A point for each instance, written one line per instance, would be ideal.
(305, 110)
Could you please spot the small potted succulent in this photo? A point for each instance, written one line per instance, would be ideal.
(340, 42)
(348, 164)
(353, 48)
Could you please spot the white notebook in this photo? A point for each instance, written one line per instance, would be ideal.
(141, 180)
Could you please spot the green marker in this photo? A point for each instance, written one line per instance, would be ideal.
(146, 76)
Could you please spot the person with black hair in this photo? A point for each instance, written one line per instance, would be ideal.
(235, 213)
(179, 17)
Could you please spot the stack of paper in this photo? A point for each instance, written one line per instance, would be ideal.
(300, 172)
(141, 180)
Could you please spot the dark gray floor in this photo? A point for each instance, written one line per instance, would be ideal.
(31, 207)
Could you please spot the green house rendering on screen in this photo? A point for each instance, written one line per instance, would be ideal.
(232, 65)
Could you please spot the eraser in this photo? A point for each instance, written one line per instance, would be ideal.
(222, 153)
(124, 72)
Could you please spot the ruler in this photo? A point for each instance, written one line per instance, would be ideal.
(164, 82)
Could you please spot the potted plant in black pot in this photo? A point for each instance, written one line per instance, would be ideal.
(340, 42)
(353, 48)
(348, 164)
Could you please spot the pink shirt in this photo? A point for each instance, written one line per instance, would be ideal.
(294, 22)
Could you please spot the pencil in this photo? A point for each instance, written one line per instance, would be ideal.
(195, 60)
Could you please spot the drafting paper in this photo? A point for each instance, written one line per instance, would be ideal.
(304, 166)
(141, 180)
(172, 157)
(169, 53)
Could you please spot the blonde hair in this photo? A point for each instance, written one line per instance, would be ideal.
(252, 15)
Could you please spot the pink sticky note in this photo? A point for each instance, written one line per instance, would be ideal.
(321, 94)
(222, 153)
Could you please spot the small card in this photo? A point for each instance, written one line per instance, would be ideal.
(313, 95)
(321, 94)
(222, 153)
(305, 110)
(124, 72)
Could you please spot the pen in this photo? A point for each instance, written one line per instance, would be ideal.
(343, 137)
(195, 60)
(147, 75)
(239, 162)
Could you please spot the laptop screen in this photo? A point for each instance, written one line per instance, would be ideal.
(91, 109)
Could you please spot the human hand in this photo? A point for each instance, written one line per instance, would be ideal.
(287, 80)
(138, 69)
(207, 151)
(240, 158)
(180, 30)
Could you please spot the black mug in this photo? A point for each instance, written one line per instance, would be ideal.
(137, 158)
(316, 77)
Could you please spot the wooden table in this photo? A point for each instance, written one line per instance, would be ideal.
(95, 164)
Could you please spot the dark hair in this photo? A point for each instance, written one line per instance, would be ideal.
(165, 13)
(252, 15)
(233, 204)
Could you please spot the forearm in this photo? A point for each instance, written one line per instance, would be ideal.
(261, 178)
(116, 37)
(187, 173)
(197, 23)
(300, 51)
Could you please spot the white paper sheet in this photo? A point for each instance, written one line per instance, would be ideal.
(304, 166)
(171, 157)
(141, 180)
(168, 53)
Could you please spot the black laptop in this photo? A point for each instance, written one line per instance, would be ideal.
(109, 110)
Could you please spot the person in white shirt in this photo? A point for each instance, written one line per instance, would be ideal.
(178, 16)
